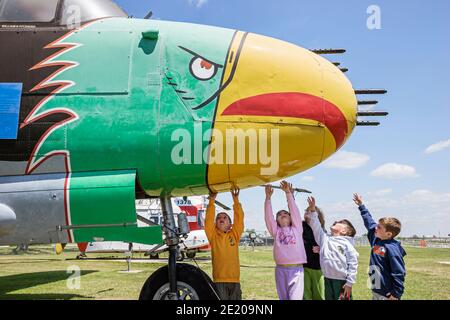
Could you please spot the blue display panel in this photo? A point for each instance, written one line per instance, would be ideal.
(10, 94)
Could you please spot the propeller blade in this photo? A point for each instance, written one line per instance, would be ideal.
(59, 248)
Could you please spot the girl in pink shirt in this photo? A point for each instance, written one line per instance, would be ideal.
(288, 249)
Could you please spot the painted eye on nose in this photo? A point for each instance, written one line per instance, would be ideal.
(202, 69)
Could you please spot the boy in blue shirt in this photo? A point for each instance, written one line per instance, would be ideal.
(387, 268)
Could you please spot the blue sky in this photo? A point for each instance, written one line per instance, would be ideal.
(409, 56)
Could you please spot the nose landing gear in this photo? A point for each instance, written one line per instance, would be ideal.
(192, 284)
(176, 281)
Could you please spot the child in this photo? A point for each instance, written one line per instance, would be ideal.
(314, 283)
(338, 256)
(288, 251)
(224, 240)
(387, 267)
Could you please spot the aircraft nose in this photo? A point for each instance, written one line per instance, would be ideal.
(304, 104)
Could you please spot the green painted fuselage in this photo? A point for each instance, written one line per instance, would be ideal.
(110, 101)
(130, 94)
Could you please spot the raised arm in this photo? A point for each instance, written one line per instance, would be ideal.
(369, 223)
(316, 227)
(295, 213)
(271, 224)
(210, 227)
(293, 209)
(238, 224)
(314, 222)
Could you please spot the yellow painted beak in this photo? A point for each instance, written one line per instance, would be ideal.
(290, 108)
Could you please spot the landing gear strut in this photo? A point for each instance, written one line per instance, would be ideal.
(177, 281)
(172, 241)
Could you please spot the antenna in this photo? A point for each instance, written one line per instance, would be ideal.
(295, 189)
(220, 204)
(149, 15)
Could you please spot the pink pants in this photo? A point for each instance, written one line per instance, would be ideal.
(289, 282)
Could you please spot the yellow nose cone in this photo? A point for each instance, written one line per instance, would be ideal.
(284, 111)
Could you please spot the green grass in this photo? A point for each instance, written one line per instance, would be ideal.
(40, 274)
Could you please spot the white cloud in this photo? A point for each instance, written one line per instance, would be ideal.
(347, 160)
(307, 178)
(198, 3)
(394, 171)
(429, 197)
(438, 147)
(421, 212)
(380, 193)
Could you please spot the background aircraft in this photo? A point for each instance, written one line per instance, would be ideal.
(150, 209)
(93, 114)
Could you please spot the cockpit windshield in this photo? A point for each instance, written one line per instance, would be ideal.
(88, 10)
(28, 10)
(61, 12)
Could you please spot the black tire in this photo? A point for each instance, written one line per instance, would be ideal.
(198, 280)
(191, 254)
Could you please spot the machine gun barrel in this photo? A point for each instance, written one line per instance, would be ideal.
(329, 51)
(371, 91)
(373, 114)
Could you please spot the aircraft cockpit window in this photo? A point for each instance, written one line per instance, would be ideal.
(74, 11)
(28, 10)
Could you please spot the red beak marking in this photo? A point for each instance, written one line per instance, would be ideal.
(293, 105)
